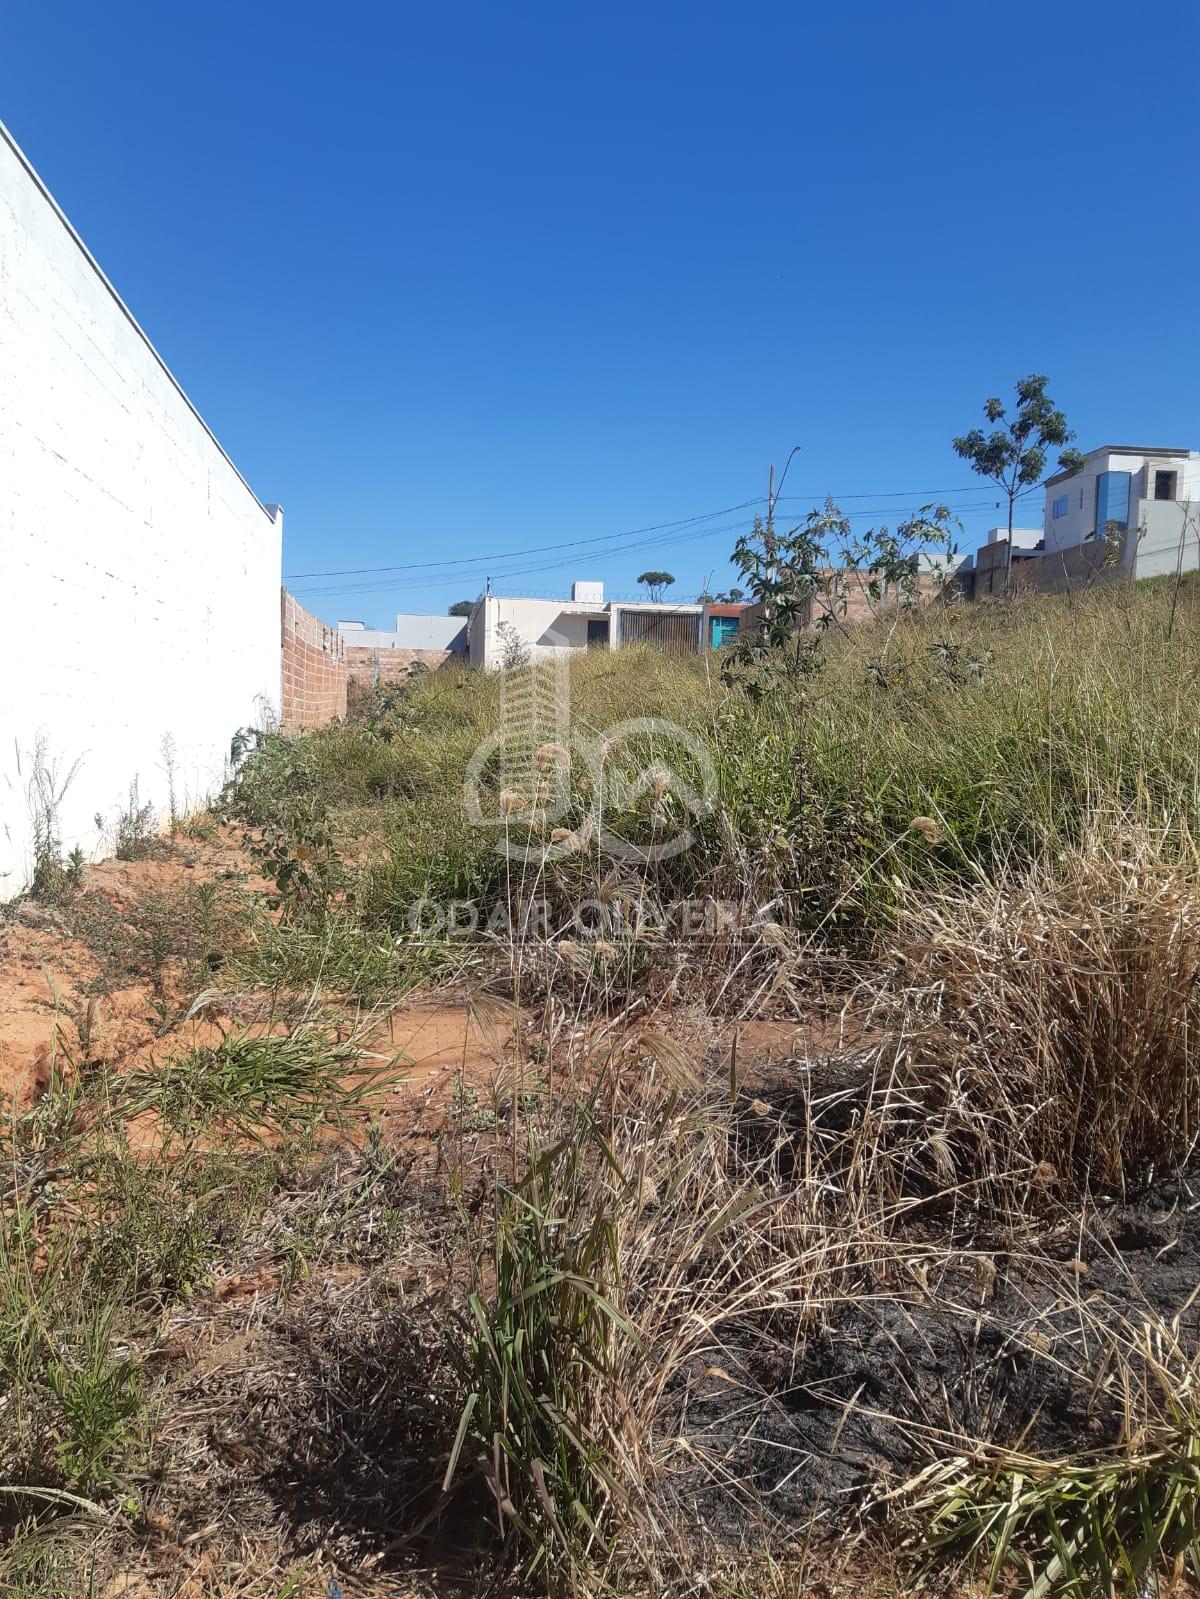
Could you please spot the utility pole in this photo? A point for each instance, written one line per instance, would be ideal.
(769, 536)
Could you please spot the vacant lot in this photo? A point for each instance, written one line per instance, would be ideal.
(424, 1190)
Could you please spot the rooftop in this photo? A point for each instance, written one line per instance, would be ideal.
(1119, 449)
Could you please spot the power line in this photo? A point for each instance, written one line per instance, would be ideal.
(481, 570)
(507, 574)
(474, 569)
(606, 538)
(540, 549)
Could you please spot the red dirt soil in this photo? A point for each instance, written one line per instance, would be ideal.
(52, 990)
(60, 1006)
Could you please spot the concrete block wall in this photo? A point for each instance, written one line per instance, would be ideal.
(313, 668)
(139, 575)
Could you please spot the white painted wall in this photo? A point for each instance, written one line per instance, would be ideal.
(546, 627)
(1167, 537)
(139, 576)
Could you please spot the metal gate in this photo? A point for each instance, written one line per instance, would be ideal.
(673, 632)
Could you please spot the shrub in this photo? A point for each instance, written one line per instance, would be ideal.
(135, 833)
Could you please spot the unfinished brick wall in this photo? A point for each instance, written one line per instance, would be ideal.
(367, 667)
(859, 606)
(314, 673)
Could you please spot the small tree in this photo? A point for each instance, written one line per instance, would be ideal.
(514, 651)
(1014, 456)
(802, 580)
(461, 608)
(656, 584)
(785, 572)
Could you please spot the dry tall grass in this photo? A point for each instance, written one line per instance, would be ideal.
(1049, 1021)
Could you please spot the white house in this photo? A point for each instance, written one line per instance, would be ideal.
(1148, 494)
(501, 625)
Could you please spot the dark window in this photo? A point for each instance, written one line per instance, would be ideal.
(597, 633)
(1164, 485)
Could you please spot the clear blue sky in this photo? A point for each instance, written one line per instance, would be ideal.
(457, 280)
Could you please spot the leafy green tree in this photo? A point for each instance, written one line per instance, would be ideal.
(656, 584)
(1014, 456)
(802, 580)
(461, 608)
(784, 573)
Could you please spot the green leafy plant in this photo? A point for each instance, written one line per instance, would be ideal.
(99, 1398)
(274, 791)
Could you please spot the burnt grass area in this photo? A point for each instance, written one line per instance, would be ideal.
(1003, 1337)
(325, 1421)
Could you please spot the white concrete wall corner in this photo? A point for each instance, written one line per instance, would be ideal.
(139, 576)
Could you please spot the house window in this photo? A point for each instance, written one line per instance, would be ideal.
(1059, 508)
(1164, 485)
(1112, 500)
(597, 633)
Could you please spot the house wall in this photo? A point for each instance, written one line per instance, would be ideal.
(990, 575)
(443, 633)
(1167, 537)
(1078, 524)
(546, 627)
(429, 640)
(1079, 521)
(314, 668)
(139, 573)
(479, 632)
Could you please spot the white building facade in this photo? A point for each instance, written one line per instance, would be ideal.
(503, 629)
(1146, 497)
(139, 574)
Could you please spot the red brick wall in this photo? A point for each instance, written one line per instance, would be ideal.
(366, 667)
(313, 670)
(858, 605)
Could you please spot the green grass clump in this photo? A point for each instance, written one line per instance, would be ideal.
(253, 1081)
(1077, 1528)
(537, 1357)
